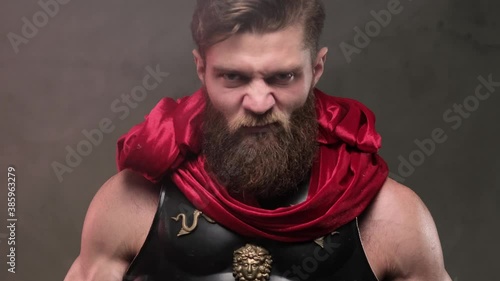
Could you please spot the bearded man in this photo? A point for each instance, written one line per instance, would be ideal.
(258, 175)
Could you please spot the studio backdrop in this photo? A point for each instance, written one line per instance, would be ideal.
(72, 81)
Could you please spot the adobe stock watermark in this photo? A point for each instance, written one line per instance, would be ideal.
(30, 28)
(372, 29)
(121, 107)
(454, 117)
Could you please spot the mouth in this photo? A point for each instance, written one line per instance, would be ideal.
(257, 129)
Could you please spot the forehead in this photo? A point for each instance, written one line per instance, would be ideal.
(260, 51)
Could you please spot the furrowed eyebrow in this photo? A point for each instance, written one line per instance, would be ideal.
(293, 69)
(220, 69)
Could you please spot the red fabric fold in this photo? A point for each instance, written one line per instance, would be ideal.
(346, 175)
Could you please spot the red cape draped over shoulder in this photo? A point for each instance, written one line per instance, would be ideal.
(346, 175)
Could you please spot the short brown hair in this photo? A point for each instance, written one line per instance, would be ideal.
(216, 20)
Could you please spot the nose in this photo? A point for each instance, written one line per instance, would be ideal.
(259, 98)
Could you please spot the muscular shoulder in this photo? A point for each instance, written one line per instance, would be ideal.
(399, 229)
(119, 216)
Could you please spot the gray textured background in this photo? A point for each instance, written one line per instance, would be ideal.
(65, 78)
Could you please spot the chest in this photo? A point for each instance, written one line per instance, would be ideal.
(184, 244)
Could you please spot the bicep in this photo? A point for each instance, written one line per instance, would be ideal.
(99, 270)
(98, 259)
(109, 240)
(417, 249)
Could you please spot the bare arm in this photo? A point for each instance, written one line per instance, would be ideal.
(116, 225)
(415, 250)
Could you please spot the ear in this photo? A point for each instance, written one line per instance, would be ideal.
(319, 65)
(200, 65)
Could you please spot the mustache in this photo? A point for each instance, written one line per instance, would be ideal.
(272, 118)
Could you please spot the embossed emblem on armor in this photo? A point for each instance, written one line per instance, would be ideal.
(252, 263)
(188, 229)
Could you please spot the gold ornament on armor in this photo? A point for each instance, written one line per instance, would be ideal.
(185, 229)
(252, 263)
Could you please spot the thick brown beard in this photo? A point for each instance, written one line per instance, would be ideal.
(265, 165)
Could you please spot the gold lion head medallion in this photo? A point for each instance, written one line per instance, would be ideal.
(252, 263)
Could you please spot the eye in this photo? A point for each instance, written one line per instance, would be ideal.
(285, 76)
(282, 78)
(232, 77)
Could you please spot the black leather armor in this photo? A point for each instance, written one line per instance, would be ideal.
(205, 251)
